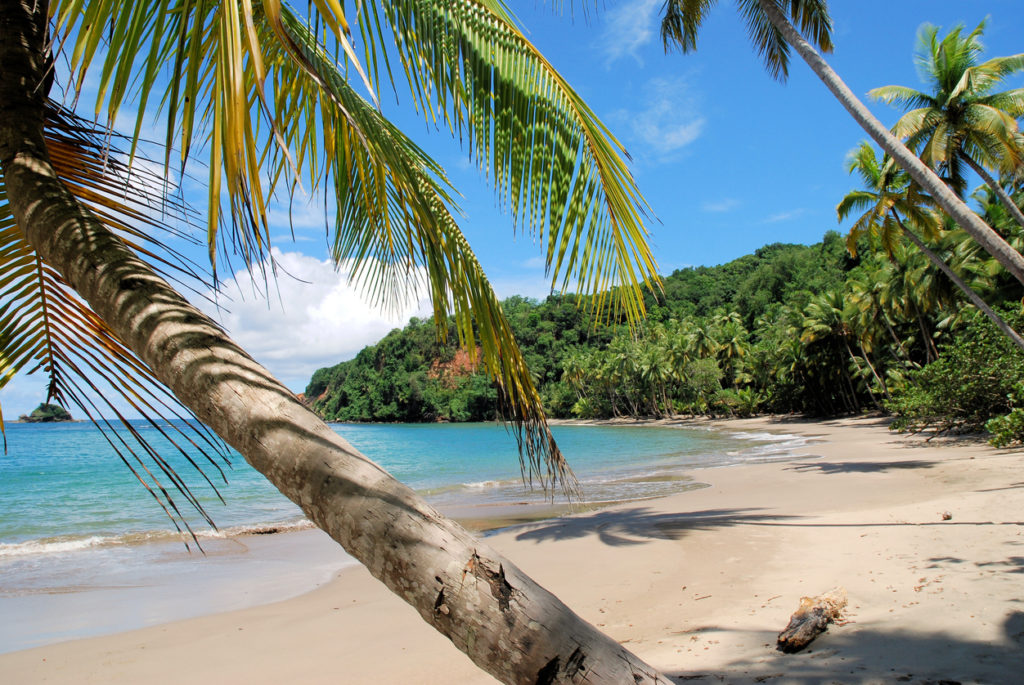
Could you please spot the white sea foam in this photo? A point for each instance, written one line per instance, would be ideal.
(68, 544)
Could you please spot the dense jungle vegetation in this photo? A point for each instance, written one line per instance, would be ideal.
(791, 328)
(905, 315)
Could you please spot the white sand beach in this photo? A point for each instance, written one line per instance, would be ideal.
(698, 584)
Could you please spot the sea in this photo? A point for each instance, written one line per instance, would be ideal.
(86, 550)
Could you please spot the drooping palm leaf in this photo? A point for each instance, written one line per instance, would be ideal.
(682, 21)
(47, 328)
(556, 167)
(266, 93)
(411, 227)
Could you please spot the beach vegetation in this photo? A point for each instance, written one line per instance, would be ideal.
(275, 98)
(975, 381)
(46, 413)
(964, 121)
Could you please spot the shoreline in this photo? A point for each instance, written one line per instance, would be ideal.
(697, 583)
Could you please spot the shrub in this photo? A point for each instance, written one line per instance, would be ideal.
(971, 382)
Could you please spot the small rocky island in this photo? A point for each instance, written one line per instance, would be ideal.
(47, 413)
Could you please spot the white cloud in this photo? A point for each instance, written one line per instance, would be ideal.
(669, 120)
(313, 317)
(721, 206)
(630, 27)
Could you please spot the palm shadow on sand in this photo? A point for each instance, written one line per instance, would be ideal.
(846, 655)
(638, 525)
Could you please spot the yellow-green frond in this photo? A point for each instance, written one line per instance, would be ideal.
(556, 167)
(46, 328)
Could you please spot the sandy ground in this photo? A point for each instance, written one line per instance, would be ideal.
(698, 584)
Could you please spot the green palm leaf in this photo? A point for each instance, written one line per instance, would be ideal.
(47, 328)
(267, 93)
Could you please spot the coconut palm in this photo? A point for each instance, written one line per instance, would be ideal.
(263, 90)
(964, 120)
(890, 202)
(773, 34)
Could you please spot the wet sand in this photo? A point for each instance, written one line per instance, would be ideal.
(698, 584)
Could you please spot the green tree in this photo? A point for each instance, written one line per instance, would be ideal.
(962, 121)
(259, 85)
(773, 34)
(890, 202)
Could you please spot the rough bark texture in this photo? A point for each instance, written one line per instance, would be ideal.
(508, 625)
(989, 240)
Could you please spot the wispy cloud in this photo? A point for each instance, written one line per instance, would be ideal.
(630, 27)
(785, 216)
(721, 206)
(668, 121)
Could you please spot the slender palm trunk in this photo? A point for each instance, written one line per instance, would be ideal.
(960, 283)
(860, 372)
(997, 188)
(930, 350)
(508, 625)
(903, 356)
(989, 240)
(874, 372)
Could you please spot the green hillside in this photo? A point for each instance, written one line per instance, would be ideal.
(790, 328)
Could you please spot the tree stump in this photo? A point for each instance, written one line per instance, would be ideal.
(811, 619)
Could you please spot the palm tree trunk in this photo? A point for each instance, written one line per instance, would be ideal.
(989, 240)
(930, 350)
(874, 372)
(510, 626)
(998, 189)
(960, 283)
(903, 356)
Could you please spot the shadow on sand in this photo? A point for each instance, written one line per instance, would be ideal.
(862, 467)
(640, 524)
(847, 655)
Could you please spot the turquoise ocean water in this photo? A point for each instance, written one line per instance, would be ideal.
(78, 532)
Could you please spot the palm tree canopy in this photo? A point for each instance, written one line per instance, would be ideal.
(963, 114)
(888, 194)
(272, 96)
(682, 21)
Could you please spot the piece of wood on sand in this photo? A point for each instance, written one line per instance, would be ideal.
(811, 620)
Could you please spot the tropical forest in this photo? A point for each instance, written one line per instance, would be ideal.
(903, 315)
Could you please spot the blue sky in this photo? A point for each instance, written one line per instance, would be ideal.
(728, 159)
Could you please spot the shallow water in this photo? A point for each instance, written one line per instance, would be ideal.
(82, 540)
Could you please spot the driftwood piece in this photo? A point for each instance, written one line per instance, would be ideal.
(811, 620)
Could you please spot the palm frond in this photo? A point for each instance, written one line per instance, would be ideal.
(810, 17)
(681, 23)
(396, 220)
(556, 167)
(46, 328)
(904, 96)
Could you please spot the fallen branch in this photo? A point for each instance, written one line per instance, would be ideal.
(811, 620)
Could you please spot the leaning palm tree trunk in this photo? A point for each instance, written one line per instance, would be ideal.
(960, 283)
(989, 240)
(997, 188)
(509, 625)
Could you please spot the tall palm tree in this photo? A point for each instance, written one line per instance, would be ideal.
(890, 201)
(773, 34)
(260, 87)
(962, 121)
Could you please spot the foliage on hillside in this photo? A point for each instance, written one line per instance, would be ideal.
(397, 379)
(46, 413)
(790, 328)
